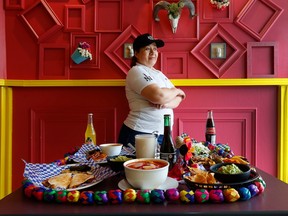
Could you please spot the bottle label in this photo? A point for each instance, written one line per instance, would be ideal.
(170, 157)
(211, 138)
(210, 130)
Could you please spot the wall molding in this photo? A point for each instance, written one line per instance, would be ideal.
(105, 7)
(41, 30)
(6, 109)
(121, 82)
(242, 120)
(270, 56)
(202, 51)
(243, 19)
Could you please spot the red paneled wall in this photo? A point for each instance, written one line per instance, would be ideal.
(40, 37)
(45, 33)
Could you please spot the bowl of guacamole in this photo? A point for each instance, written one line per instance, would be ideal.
(231, 172)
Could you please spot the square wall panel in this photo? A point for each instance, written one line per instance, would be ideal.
(14, 4)
(202, 50)
(75, 17)
(94, 41)
(41, 20)
(241, 122)
(175, 65)
(111, 10)
(262, 59)
(53, 61)
(211, 14)
(115, 51)
(85, 1)
(61, 122)
(257, 26)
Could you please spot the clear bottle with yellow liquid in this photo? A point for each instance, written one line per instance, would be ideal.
(90, 134)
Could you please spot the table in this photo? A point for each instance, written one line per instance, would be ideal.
(272, 202)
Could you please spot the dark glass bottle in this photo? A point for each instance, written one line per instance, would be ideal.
(210, 134)
(167, 149)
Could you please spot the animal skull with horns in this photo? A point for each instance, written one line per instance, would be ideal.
(174, 11)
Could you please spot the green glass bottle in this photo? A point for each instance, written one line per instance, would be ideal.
(167, 149)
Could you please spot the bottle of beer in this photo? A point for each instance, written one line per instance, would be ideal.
(210, 134)
(90, 134)
(167, 149)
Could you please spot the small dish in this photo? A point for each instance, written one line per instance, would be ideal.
(111, 149)
(116, 162)
(230, 178)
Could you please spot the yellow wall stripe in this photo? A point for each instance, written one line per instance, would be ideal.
(121, 82)
(5, 141)
(283, 134)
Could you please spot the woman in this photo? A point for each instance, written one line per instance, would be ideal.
(149, 92)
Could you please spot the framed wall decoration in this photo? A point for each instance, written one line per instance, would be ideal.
(234, 50)
(262, 59)
(258, 28)
(128, 50)
(218, 50)
(41, 20)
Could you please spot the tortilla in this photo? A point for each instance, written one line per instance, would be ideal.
(97, 155)
(62, 180)
(80, 178)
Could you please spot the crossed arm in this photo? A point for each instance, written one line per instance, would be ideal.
(163, 97)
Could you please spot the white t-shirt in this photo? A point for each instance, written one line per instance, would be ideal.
(142, 116)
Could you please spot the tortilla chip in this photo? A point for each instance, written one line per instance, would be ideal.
(211, 179)
(62, 180)
(80, 178)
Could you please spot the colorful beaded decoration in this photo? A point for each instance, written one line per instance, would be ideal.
(118, 196)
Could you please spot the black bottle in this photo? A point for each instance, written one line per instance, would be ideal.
(210, 133)
(167, 149)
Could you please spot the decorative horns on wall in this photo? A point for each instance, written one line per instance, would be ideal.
(174, 11)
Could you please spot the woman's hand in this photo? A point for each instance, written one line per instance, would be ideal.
(158, 95)
(181, 94)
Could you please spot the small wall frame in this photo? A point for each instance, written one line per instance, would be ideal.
(128, 50)
(262, 59)
(218, 50)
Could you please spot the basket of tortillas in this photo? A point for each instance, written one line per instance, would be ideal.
(66, 177)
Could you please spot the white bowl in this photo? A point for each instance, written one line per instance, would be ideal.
(146, 178)
(111, 149)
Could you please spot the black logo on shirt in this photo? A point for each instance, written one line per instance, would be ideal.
(147, 78)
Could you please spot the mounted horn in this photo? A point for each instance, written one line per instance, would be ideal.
(174, 11)
(161, 5)
(189, 4)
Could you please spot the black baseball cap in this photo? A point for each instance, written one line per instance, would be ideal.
(146, 39)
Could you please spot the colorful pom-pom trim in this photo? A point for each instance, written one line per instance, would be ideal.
(118, 196)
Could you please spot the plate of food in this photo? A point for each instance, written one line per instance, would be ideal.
(97, 156)
(92, 153)
(75, 177)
